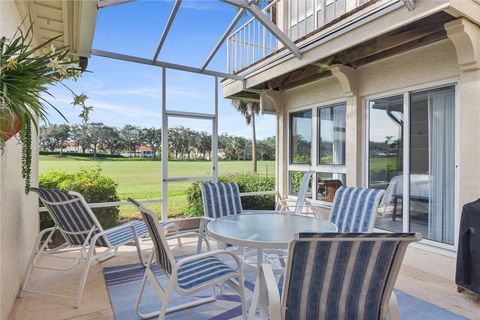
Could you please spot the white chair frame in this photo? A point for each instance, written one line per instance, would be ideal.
(86, 253)
(266, 295)
(165, 293)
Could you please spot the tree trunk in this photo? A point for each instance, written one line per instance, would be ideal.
(254, 145)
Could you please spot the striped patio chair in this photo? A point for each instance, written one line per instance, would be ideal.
(83, 236)
(354, 209)
(186, 275)
(336, 276)
(219, 200)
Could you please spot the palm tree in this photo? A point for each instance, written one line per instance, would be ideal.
(249, 109)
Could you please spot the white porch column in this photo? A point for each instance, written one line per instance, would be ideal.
(353, 158)
(465, 36)
(272, 102)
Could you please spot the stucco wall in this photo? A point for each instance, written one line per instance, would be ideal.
(18, 213)
(419, 68)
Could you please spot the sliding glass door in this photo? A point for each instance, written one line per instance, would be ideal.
(427, 203)
(386, 158)
(432, 164)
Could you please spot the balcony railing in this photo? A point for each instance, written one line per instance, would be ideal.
(252, 41)
(296, 18)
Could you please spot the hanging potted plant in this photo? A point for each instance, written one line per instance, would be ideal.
(26, 72)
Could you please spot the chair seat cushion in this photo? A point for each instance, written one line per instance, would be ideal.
(196, 273)
(124, 235)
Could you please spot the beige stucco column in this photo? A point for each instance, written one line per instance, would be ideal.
(272, 101)
(348, 81)
(466, 38)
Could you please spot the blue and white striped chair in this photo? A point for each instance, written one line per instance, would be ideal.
(186, 275)
(354, 209)
(335, 276)
(83, 234)
(219, 200)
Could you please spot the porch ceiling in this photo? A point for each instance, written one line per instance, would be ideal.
(73, 22)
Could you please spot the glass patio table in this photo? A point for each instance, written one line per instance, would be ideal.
(261, 231)
(266, 230)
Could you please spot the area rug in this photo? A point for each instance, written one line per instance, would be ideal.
(123, 283)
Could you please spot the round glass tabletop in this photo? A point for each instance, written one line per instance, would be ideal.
(265, 230)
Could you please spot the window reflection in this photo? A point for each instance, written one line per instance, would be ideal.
(332, 125)
(300, 137)
(386, 158)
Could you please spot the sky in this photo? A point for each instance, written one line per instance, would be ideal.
(128, 93)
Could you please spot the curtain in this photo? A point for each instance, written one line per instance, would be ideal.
(339, 124)
(441, 122)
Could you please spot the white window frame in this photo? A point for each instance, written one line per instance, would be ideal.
(314, 151)
(406, 151)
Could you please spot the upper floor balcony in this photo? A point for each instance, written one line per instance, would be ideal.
(298, 19)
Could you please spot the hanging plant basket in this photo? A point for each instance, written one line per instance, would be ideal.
(26, 72)
(10, 126)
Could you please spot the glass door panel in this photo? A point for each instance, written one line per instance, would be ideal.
(385, 161)
(432, 164)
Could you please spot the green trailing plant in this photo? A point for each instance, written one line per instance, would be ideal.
(26, 72)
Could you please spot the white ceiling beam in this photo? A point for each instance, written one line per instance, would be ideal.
(260, 16)
(175, 8)
(87, 18)
(232, 25)
(168, 65)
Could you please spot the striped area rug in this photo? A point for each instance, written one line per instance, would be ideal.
(123, 283)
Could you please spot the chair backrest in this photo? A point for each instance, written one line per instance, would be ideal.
(163, 254)
(72, 215)
(342, 276)
(221, 199)
(354, 209)
(302, 192)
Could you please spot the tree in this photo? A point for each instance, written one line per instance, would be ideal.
(153, 138)
(266, 148)
(81, 135)
(132, 137)
(54, 135)
(204, 144)
(112, 140)
(95, 131)
(236, 146)
(249, 109)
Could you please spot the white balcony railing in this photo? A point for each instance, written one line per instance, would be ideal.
(252, 41)
(296, 18)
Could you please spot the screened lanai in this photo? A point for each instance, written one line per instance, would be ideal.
(265, 29)
(321, 69)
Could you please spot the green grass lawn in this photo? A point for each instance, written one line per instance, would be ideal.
(141, 178)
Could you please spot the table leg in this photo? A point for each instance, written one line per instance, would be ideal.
(258, 299)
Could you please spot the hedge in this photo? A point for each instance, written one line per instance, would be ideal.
(80, 154)
(246, 183)
(94, 187)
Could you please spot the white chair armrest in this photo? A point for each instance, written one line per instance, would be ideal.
(393, 310)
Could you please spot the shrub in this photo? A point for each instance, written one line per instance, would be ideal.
(93, 186)
(246, 183)
(79, 154)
